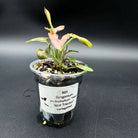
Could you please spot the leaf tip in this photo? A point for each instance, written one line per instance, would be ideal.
(27, 41)
(44, 122)
(90, 45)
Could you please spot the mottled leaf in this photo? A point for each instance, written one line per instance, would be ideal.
(41, 54)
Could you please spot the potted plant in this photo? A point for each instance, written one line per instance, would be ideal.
(58, 76)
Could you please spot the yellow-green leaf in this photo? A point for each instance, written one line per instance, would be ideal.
(82, 40)
(41, 54)
(47, 13)
(40, 39)
(85, 68)
(71, 59)
(85, 41)
(46, 28)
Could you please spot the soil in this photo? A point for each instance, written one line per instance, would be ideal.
(50, 67)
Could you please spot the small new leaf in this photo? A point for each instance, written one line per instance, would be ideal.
(85, 68)
(41, 54)
(40, 39)
(46, 28)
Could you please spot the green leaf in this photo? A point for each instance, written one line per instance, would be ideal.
(85, 68)
(41, 54)
(71, 59)
(40, 39)
(72, 51)
(82, 40)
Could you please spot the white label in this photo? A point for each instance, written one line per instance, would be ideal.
(58, 100)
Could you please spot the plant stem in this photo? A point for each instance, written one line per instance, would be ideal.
(63, 57)
(67, 43)
(47, 43)
(53, 29)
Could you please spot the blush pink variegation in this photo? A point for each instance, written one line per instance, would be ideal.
(58, 43)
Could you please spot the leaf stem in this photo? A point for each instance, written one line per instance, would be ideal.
(67, 43)
(63, 56)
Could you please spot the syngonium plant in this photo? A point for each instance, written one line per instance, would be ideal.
(60, 46)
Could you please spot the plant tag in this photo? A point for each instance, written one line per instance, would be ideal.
(58, 100)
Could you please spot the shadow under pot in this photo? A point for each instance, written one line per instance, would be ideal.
(58, 95)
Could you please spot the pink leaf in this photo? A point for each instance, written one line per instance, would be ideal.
(57, 29)
(58, 43)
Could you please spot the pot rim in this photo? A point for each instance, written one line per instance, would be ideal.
(50, 74)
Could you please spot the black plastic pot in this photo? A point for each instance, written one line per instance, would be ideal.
(58, 95)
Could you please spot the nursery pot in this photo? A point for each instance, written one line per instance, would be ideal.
(58, 95)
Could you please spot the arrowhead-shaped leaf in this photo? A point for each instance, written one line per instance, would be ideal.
(42, 54)
(40, 39)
